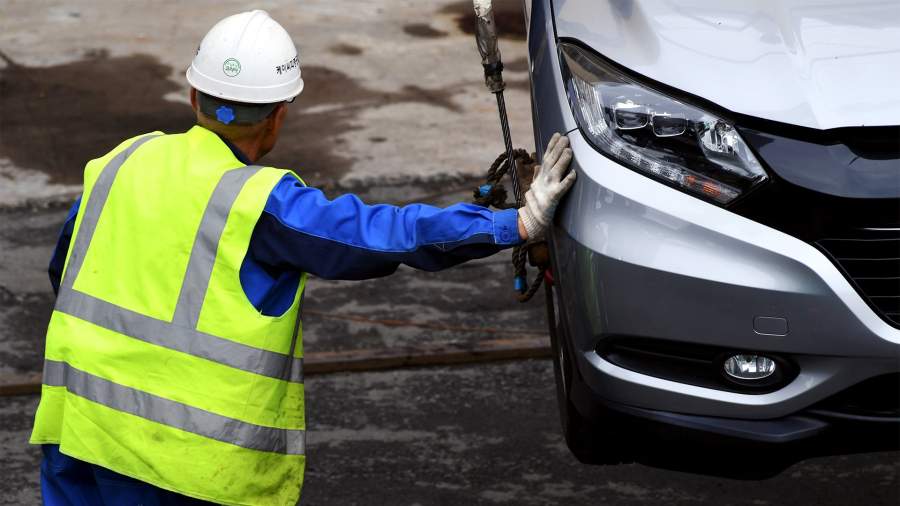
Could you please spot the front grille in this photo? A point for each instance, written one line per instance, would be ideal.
(840, 191)
(871, 260)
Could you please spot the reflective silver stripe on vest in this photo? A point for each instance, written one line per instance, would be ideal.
(95, 203)
(182, 334)
(186, 340)
(172, 413)
(203, 253)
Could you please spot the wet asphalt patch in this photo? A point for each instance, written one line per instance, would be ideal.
(423, 30)
(346, 49)
(327, 109)
(24, 316)
(56, 118)
(517, 65)
(508, 18)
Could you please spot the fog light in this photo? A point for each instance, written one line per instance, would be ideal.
(749, 367)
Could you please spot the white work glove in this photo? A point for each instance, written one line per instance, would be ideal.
(548, 188)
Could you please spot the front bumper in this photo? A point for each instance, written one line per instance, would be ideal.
(728, 447)
(636, 258)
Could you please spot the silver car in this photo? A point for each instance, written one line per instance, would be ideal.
(727, 267)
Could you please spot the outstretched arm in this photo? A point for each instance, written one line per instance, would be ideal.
(346, 239)
(301, 229)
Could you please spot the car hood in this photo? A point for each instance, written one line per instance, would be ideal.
(820, 64)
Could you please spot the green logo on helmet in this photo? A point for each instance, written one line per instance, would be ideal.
(231, 67)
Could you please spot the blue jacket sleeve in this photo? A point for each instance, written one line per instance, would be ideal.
(301, 229)
(58, 260)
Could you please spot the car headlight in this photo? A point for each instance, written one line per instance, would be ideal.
(656, 135)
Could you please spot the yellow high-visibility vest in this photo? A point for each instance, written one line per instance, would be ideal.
(157, 365)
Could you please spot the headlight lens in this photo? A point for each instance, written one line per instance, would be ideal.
(659, 136)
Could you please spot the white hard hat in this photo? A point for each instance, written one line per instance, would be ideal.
(249, 58)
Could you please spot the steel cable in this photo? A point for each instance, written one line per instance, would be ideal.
(494, 194)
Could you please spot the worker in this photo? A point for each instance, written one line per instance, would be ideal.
(173, 371)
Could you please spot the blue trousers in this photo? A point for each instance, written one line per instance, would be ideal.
(70, 482)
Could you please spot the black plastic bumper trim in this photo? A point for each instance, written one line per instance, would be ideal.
(779, 431)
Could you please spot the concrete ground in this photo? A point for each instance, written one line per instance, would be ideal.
(394, 110)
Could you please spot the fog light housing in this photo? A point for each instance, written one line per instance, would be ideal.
(748, 367)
